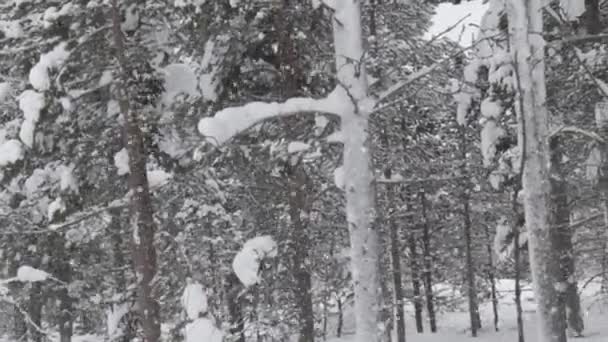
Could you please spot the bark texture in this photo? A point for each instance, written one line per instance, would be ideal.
(360, 195)
(525, 18)
(141, 212)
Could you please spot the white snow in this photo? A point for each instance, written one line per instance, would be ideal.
(448, 14)
(5, 91)
(11, 29)
(203, 330)
(113, 316)
(29, 274)
(503, 230)
(158, 177)
(67, 180)
(246, 263)
(194, 300)
(490, 134)
(10, 152)
(66, 103)
(231, 121)
(573, 9)
(113, 108)
(179, 79)
(121, 161)
(320, 123)
(57, 206)
(297, 146)
(491, 109)
(30, 103)
(106, 78)
(184, 3)
(39, 74)
(463, 101)
(339, 177)
(131, 19)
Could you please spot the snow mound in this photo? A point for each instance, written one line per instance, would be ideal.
(246, 263)
(203, 330)
(39, 74)
(179, 79)
(10, 152)
(194, 300)
(29, 274)
(31, 103)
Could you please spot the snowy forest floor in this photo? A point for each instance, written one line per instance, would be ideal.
(453, 325)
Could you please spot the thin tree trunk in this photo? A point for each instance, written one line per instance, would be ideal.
(601, 121)
(491, 277)
(427, 265)
(591, 17)
(298, 211)
(235, 310)
(560, 214)
(141, 211)
(516, 256)
(525, 18)
(340, 318)
(34, 310)
(396, 263)
(415, 266)
(470, 267)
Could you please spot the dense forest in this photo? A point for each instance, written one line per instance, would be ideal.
(303, 170)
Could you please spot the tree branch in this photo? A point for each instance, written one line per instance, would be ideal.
(576, 130)
(232, 121)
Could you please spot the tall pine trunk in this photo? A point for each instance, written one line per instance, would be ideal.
(359, 177)
(396, 265)
(491, 276)
(525, 18)
(415, 274)
(475, 320)
(562, 235)
(141, 212)
(427, 261)
(601, 121)
(298, 211)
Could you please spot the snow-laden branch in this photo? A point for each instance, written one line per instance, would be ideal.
(576, 130)
(229, 122)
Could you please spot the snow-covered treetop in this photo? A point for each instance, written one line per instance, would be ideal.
(246, 263)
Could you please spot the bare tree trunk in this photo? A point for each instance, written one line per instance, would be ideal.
(591, 17)
(427, 265)
(235, 310)
(470, 267)
(340, 318)
(491, 277)
(358, 172)
(298, 211)
(601, 121)
(560, 214)
(141, 211)
(34, 310)
(396, 263)
(415, 270)
(517, 257)
(525, 18)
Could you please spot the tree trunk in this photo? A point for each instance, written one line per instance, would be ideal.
(470, 267)
(141, 211)
(340, 318)
(299, 211)
(517, 257)
(237, 319)
(491, 276)
(525, 18)
(560, 214)
(415, 271)
(34, 310)
(359, 177)
(591, 17)
(601, 121)
(427, 265)
(396, 263)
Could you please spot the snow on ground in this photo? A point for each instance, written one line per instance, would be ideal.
(453, 326)
(448, 15)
